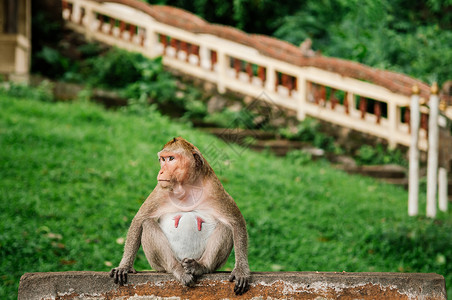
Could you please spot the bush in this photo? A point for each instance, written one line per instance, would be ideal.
(309, 131)
(299, 157)
(43, 92)
(152, 82)
(116, 68)
(378, 155)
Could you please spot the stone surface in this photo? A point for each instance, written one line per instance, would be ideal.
(377, 171)
(271, 285)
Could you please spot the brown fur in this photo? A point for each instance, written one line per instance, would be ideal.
(191, 170)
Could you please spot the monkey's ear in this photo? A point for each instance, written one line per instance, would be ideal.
(199, 161)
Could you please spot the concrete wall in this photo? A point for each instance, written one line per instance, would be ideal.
(278, 285)
(15, 39)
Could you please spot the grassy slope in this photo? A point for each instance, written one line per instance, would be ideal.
(72, 177)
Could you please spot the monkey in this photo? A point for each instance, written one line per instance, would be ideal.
(188, 224)
(306, 49)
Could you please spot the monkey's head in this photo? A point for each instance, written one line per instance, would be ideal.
(180, 163)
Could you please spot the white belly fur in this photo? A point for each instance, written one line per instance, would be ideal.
(186, 240)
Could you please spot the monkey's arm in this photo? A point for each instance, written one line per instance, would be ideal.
(133, 242)
(241, 272)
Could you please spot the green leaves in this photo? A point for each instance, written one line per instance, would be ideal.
(379, 155)
(412, 38)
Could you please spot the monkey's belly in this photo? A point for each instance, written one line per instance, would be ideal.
(187, 233)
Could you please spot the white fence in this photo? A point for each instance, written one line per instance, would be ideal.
(231, 65)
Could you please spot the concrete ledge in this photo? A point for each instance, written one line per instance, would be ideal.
(271, 285)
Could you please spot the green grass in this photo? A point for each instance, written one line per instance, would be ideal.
(73, 175)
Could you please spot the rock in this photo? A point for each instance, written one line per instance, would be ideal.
(215, 104)
(344, 160)
(236, 107)
(278, 122)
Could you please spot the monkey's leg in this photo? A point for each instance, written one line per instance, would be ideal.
(217, 251)
(159, 254)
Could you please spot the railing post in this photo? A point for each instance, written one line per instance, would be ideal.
(442, 189)
(204, 57)
(261, 74)
(363, 107)
(348, 100)
(444, 156)
(270, 79)
(392, 118)
(301, 87)
(222, 69)
(377, 111)
(88, 23)
(76, 12)
(352, 103)
(152, 41)
(432, 162)
(413, 183)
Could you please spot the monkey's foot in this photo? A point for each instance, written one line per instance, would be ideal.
(186, 279)
(191, 266)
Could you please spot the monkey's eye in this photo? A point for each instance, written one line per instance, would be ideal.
(171, 158)
(162, 158)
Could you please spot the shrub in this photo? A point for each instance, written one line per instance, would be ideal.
(309, 131)
(116, 68)
(43, 92)
(377, 155)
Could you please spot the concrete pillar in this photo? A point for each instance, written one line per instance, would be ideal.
(89, 24)
(393, 117)
(270, 79)
(10, 17)
(204, 56)
(152, 42)
(442, 189)
(432, 162)
(15, 39)
(413, 184)
(301, 88)
(222, 68)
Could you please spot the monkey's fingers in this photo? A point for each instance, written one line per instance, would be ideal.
(241, 285)
(116, 276)
(120, 276)
(123, 277)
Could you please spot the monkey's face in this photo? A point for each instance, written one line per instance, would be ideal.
(174, 169)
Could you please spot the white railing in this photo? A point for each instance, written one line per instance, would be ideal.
(323, 94)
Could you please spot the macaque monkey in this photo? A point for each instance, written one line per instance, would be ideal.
(188, 224)
(306, 49)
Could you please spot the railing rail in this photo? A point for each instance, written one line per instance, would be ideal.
(313, 86)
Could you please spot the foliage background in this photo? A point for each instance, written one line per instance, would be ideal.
(411, 37)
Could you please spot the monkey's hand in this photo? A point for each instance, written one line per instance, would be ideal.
(242, 280)
(120, 274)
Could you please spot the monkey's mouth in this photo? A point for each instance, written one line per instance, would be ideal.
(164, 182)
